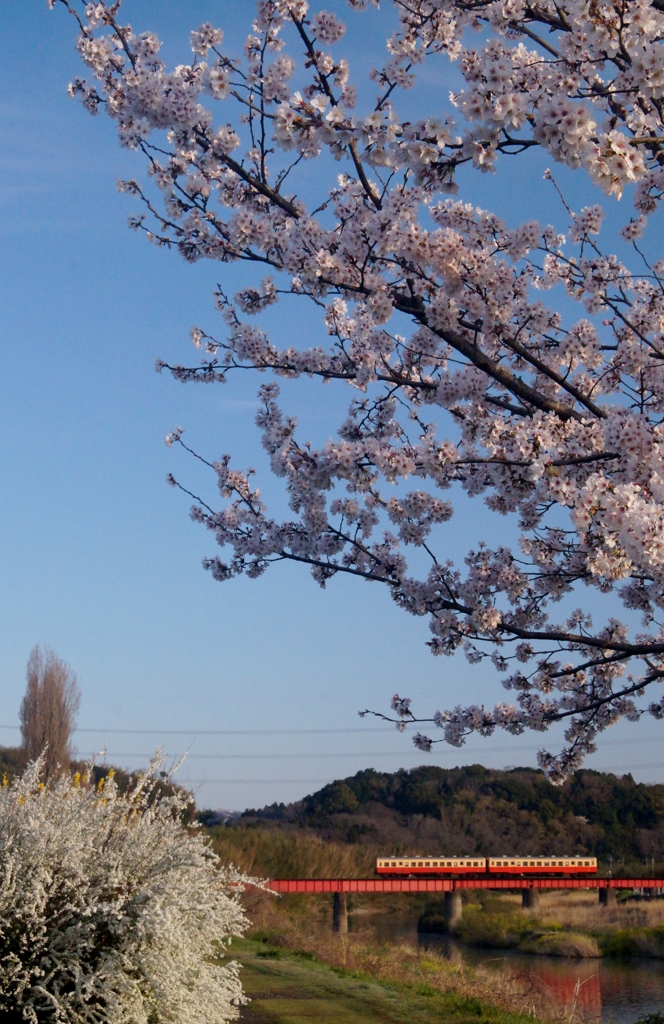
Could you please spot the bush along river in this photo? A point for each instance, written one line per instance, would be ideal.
(608, 989)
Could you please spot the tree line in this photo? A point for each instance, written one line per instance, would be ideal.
(476, 810)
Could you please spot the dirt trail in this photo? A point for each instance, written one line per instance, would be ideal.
(285, 989)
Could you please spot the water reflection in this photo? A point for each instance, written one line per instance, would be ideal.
(606, 991)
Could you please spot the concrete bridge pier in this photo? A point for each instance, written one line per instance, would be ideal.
(452, 911)
(607, 897)
(530, 899)
(340, 914)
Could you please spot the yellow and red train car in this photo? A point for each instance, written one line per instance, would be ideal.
(505, 867)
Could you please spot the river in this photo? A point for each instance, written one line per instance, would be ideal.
(606, 991)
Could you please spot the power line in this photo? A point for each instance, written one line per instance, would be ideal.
(223, 732)
(257, 782)
(373, 753)
(287, 757)
(311, 732)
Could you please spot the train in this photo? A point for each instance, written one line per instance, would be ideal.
(506, 867)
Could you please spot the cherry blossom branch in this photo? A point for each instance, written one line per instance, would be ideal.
(435, 314)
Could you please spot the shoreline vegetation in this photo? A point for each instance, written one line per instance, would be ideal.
(565, 925)
(291, 933)
(453, 991)
(290, 954)
(347, 981)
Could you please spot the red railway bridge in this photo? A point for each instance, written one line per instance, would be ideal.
(451, 889)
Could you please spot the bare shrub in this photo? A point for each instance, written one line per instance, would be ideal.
(48, 710)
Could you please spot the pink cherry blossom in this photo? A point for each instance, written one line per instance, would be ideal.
(468, 369)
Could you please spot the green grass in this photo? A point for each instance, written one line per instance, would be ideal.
(291, 987)
(648, 942)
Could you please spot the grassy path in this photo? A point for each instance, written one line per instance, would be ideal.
(287, 988)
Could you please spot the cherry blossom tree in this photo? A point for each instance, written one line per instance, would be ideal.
(112, 912)
(524, 364)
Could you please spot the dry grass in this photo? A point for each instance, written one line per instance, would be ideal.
(567, 924)
(580, 912)
(272, 853)
(513, 992)
(567, 944)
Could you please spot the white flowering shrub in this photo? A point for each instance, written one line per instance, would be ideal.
(524, 364)
(110, 909)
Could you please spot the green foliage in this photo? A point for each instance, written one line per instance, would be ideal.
(476, 810)
(271, 953)
(634, 942)
(497, 931)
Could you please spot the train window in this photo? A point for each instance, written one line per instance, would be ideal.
(426, 864)
(560, 864)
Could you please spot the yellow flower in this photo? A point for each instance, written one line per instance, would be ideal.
(100, 784)
(5, 780)
(77, 779)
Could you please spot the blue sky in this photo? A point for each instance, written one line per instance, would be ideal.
(260, 681)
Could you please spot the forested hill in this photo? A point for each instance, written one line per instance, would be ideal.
(476, 810)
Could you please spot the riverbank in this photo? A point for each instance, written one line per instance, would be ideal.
(289, 986)
(291, 928)
(564, 924)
